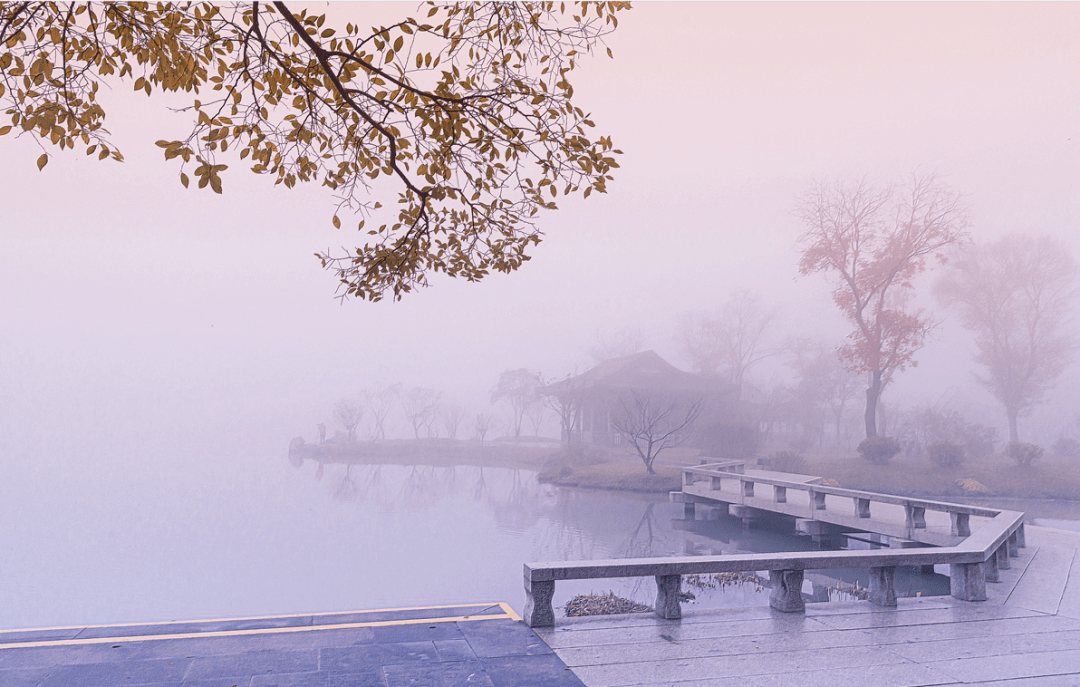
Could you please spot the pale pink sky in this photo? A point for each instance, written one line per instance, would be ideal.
(184, 305)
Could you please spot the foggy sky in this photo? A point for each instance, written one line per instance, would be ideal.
(135, 311)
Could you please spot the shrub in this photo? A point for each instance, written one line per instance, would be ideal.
(787, 461)
(945, 454)
(1024, 454)
(878, 450)
(932, 426)
(1065, 447)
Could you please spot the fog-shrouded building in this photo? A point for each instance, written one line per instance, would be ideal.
(590, 403)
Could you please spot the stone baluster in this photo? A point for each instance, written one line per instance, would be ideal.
(1021, 542)
(748, 489)
(538, 610)
(1014, 548)
(714, 485)
(786, 592)
(961, 524)
(916, 517)
(990, 568)
(967, 581)
(668, 588)
(779, 494)
(883, 586)
(817, 500)
(862, 507)
(688, 478)
(1002, 554)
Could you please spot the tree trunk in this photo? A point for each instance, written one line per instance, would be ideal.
(873, 393)
(1012, 413)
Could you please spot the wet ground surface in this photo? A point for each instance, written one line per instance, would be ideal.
(483, 645)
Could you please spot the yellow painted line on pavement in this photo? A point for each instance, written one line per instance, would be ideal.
(260, 617)
(267, 630)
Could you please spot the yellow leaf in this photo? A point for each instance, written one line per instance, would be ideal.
(42, 161)
(337, 222)
(184, 179)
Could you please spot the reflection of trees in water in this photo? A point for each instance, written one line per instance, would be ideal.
(347, 489)
(480, 487)
(518, 508)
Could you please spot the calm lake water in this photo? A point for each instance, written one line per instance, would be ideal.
(229, 532)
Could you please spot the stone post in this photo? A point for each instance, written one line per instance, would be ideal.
(1021, 541)
(817, 499)
(1002, 554)
(990, 568)
(786, 594)
(1014, 546)
(667, 596)
(916, 517)
(883, 586)
(538, 611)
(714, 485)
(862, 507)
(748, 489)
(961, 524)
(780, 494)
(967, 581)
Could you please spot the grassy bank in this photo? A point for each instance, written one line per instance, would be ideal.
(590, 467)
(1050, 478)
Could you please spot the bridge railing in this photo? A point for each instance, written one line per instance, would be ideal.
(972, 562)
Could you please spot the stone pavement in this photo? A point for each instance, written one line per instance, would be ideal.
(1027, 634)
(483, 645)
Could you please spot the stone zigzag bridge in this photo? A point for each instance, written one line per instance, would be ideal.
(974, 556)
(1021, 629)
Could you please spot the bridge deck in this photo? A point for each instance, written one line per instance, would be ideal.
(1026, 633)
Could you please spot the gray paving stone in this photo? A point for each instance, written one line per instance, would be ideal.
(1070, 680)
(23, 677)
(464, 674)
(454, 650)
(116, 673)
(233, 681)
(794, 662)
(1029, 665)
(788, 623)
(315, 679)
(491, 639)
(366, 678)
(530, 671)
(253, 663)
(665, 650)
(418, 633)
(365, 657)
(946, 649)
(968, 612)
(55, 655)
(904, 675)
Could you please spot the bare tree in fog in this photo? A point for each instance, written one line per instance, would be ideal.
(451, 415)
(483, 424)
(348, 413)
(823, 382)
(733, 341)
(519, 389)
(626, 341)
(536, 412)
(381, 401)
(1016, 296)
(566, 401)
(653, 422)
(873, 241)
(420, 405)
